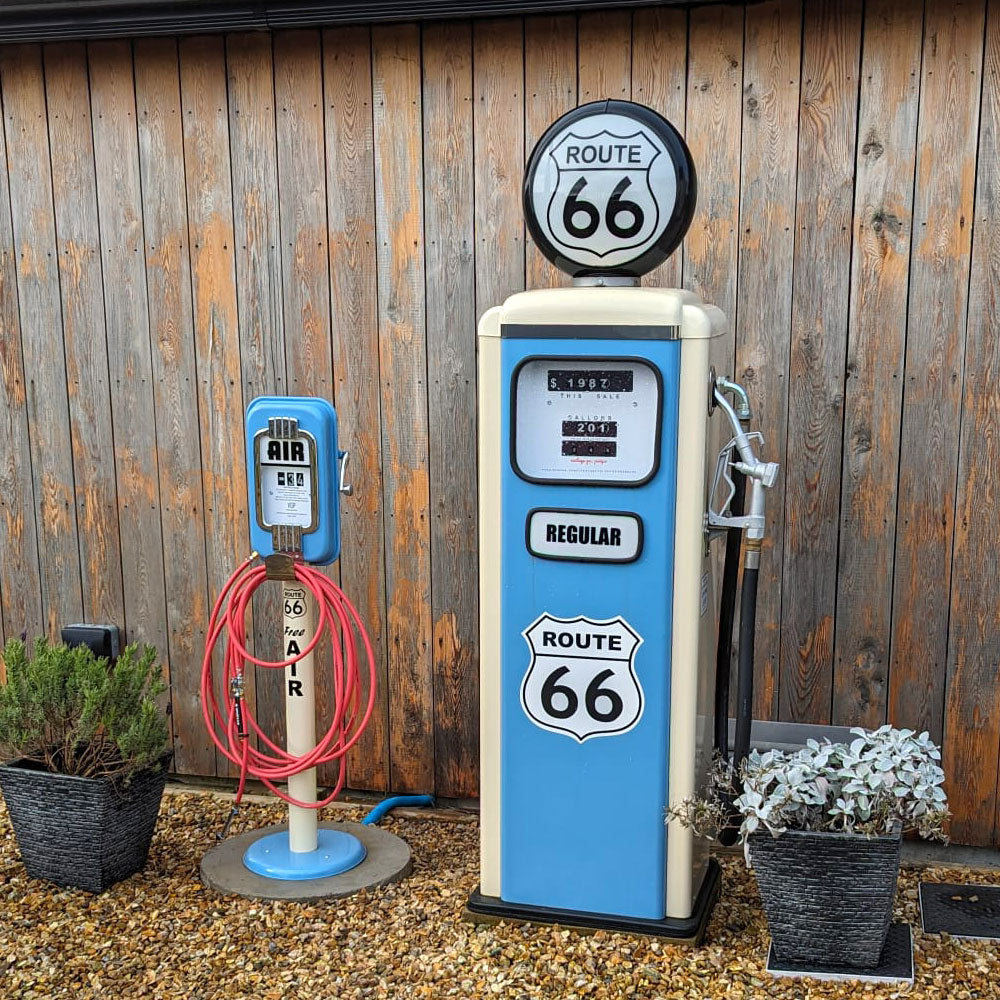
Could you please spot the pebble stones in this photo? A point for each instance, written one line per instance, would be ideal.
(162, 934)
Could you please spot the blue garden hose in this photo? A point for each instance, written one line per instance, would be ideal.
(391, 803)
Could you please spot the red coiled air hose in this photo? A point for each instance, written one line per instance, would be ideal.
(231, 724)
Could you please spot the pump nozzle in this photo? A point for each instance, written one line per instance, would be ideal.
(739, 467)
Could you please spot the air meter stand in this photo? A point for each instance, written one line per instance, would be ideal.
(303, 851)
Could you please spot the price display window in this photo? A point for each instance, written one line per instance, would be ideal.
(588, 421)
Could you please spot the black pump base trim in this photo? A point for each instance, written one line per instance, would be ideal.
(491, 909)
(895, 964)
(969, 911)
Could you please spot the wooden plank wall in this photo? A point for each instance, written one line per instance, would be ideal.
(187, 224)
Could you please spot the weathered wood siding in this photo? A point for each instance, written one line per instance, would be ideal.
(186, 225)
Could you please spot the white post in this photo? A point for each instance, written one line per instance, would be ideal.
(300, 712)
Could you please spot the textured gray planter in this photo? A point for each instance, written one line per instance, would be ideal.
(828, 896)
(82, 832)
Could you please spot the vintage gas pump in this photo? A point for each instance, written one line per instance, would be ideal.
(601, 420)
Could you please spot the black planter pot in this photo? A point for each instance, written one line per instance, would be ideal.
(828, 896)
(82, 832)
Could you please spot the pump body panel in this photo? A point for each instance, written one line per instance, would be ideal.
(557, 766)
(597, 601)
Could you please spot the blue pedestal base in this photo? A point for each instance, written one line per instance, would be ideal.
(337, 852)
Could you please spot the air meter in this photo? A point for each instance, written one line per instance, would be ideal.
(295, 496)
(295, 476)
(599, 435)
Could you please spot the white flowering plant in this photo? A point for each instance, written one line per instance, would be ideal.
(883, 781)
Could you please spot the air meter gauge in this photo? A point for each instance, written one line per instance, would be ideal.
(286, 476)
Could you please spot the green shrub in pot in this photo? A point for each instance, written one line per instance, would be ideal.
(822, 829)
(84, 745)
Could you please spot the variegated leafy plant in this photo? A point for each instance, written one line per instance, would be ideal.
(883, 781)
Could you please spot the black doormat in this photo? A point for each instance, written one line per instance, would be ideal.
(971, 911)
(895, 965)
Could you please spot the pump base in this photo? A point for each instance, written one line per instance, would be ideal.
(336, 852)
(491, 909)
(387, 859)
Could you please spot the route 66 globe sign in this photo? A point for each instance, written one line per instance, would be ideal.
(610, 188)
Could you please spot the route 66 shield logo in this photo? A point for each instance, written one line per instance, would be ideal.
(609, 188)
(602, 201)
(581, 680)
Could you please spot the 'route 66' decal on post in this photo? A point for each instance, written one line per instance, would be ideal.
(581, 680)
(609, 189)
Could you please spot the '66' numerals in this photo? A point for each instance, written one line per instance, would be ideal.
(616, 208)
(561, 702)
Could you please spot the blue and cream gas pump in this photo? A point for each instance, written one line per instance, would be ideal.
(601, 421)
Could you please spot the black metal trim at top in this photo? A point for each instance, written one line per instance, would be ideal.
(52, 20)
(585, 331)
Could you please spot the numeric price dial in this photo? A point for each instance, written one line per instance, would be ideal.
(592, 421)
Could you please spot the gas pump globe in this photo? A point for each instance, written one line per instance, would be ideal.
(603, 458)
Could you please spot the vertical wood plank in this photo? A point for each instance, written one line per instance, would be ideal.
(449, 211)
(258, 297)
(659, 80)
(298, 91)
(932, 394)
(714, 113)
(350, 183)
(175, 390)
(40, 314)
(214, 307)
(116, 157)
(710, 253)
(400, 236)
(883, 207)
(498, 82)
(821, 278)
(764, 295)
(252, 137)
(605, 55)
(972, 716)
(74, 191)
(298, 97)
(549, 91)
(20, 580)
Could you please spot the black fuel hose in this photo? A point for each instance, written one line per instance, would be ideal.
(744, 692)
(727, 615)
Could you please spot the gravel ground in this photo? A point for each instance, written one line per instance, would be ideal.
(161, 934)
